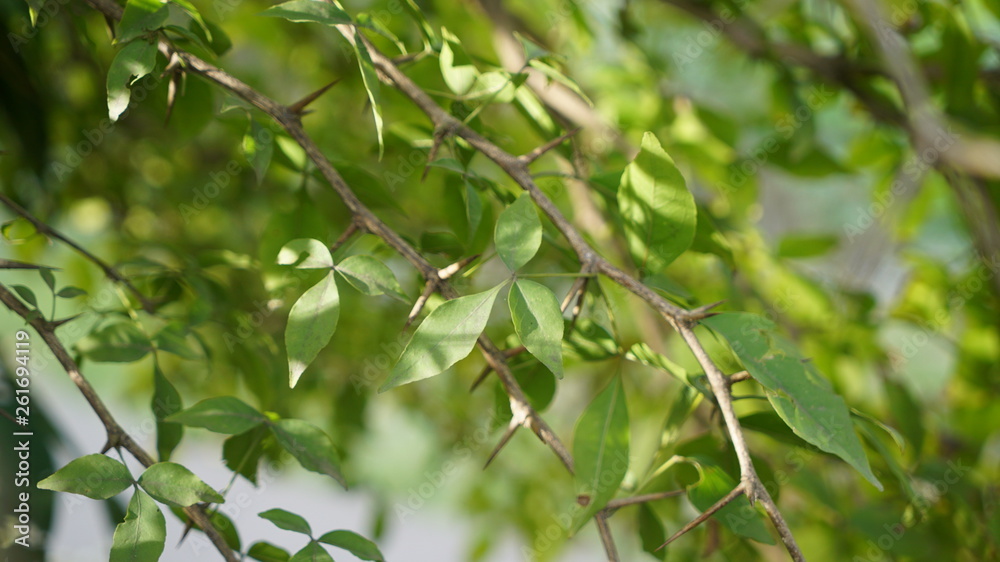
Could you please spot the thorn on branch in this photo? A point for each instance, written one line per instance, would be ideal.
(538, 152)
(439, 135)
(513, 352)
(12, 264)
(348, 233)
(702, 312)
(726, 500)
(421, 301)
(298, 108)
(507, 434)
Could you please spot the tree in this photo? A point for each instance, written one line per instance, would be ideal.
(644, 235)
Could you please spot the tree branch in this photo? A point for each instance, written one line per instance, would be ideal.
(108, 270)
(117, 436)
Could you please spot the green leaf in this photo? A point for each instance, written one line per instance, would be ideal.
(317, 255)
(166, 401)
(223, 414)
(312, 552)
(96, 476)
(310, 446)
(738, 515)
(651, 532)
(241, 453)
(802, 397)
(538, 322)
(590, 341)
(267, 552)
(142, 534)
(173, 484)
(370, 79)
(47, 276)
(518, 233)
(172, 338)
(456, 67)
(117, 343)
(642, 353)
(258, 146)
(309, 11)
(26, 294)
(370, 276)
(806, 246)
(70, 292)
(287, 520)
(658, 211)
(141, 17)
(554, 74)
(133, 61)
(195, 15)
(311, 324)
(353, 543)
(601, 449)
(445, 337)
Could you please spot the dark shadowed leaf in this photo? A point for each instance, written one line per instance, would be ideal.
(223, 414)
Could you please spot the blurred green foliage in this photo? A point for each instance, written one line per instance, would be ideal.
(812, 211)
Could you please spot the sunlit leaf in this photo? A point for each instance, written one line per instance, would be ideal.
(538, 322)
(518, 233)
(311, 324)
(133, 61)
(141, 17)
(601, 449)
(309, 11)
(316, 254)
(142, 534)
(803, 398)
(445, 337)
(370, 276)
(658, 211)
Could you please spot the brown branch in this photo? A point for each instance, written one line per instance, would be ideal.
(363, 217)
(607, 539)
(118, 438)
(108, 270)
(645, 498)
(679, 318)
(735, 493)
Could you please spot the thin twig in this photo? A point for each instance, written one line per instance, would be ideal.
(109, 271)
(607, 539)
(735, 493)
(117, 437)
